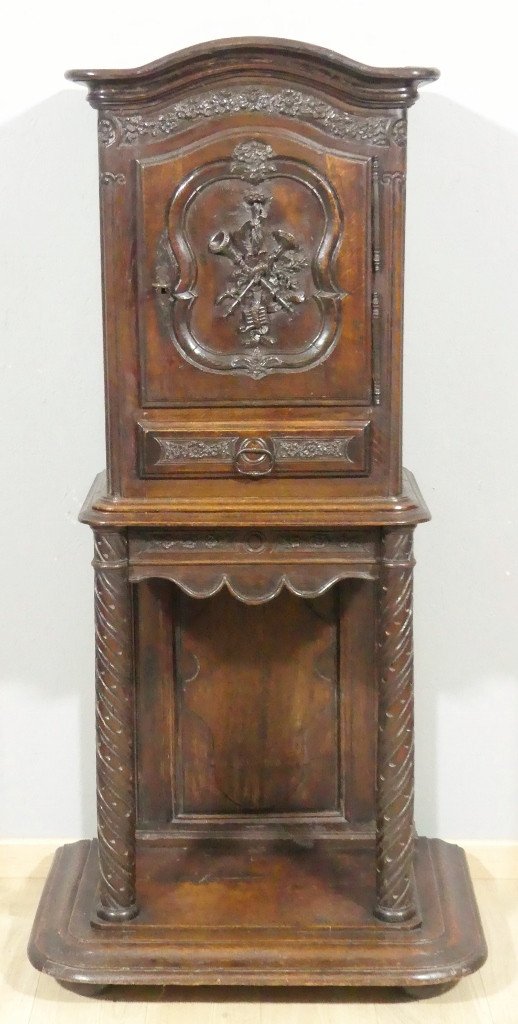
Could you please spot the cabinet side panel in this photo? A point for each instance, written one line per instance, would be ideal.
(359, 695)
(155, 701)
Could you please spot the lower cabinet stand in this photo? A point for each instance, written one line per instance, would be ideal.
(346, 895)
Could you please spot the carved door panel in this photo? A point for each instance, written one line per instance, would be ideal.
(254, 287)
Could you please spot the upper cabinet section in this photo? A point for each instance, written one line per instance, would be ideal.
(252, 205)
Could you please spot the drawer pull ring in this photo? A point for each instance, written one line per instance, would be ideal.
(254, 457)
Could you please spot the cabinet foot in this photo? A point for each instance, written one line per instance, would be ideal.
(85, 990)
(427, 991)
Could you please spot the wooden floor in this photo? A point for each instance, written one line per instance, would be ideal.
(490, 996)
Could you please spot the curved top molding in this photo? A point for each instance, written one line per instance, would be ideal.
(245, 57)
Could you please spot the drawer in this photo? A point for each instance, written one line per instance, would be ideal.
(166, 451)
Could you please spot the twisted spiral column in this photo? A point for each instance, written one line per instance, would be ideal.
(395, 885)
(115, 727)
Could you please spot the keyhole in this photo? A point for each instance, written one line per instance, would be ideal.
(162, 289)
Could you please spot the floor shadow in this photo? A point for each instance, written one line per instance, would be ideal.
(203, 995)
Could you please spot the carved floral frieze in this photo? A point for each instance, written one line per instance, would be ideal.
(376, 130)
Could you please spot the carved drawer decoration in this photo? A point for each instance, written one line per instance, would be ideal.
(167, 451)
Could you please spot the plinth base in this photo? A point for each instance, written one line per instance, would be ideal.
(241, 912)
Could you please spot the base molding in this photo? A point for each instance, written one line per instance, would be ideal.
(215, 940)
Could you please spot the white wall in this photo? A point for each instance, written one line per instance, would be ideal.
(461, 426)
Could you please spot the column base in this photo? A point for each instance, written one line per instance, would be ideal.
(394, 916)
(258, 912)
(117, 915)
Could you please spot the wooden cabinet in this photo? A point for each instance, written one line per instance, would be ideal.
(252, 236)
(253, 542)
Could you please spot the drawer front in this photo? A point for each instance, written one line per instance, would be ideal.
(228, 546)
(172, 452)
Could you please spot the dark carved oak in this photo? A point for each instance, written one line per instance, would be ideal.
(395, 887)
(252, 196)
(115, 717)
(253, 542)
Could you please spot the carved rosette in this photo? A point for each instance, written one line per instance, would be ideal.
(395, 887)
(115, 728)
(109, 178)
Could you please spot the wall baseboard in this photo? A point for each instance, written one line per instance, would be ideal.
(31, 858)
(28, 858)
(497, 858)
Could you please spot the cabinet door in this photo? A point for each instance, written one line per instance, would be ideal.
(253, 256)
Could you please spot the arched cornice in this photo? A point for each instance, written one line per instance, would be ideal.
(240, 59)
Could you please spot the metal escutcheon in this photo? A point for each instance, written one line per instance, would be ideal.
(254, 457)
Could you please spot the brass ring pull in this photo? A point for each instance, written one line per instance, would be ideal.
(254, 457)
